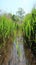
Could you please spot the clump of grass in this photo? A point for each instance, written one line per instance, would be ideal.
(6, 29)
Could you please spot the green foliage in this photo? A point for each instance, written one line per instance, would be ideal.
(30, 25)
(29, 22)
(6, 28)
(15, 18)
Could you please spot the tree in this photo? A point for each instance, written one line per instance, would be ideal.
(20, 13)
(15, 18)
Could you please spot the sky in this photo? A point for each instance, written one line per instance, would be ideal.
(11, 6)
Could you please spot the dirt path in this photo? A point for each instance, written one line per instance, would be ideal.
(16, 59)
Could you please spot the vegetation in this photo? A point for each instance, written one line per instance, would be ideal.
(6, 29)
(9, 26)
(30, 29)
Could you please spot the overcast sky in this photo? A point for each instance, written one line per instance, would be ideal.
(13, 5)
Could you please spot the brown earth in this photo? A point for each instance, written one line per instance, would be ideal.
(5, 52)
